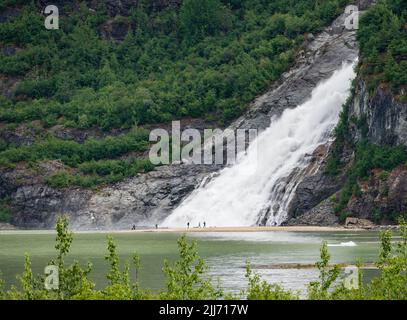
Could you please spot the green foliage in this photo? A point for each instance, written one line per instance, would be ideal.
(380, 33)
(115, 167)
(383, 45)
(31, 288)
(343, 215)
(60, 179)
(391, 284)
(368, 157)
(327, 276)
(201, 18)
(73, 280)
(89, 158)
(185, 278)
(341, 139)
(96, 173)
(377, 215)
(384, 175)
(210, 58)
(73, 153)
(120, 286)
(2, 293)
(261, 290)
(5, 210)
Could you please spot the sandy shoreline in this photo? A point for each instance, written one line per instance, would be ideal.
(209, 230)
(297, 266)
(248, 229)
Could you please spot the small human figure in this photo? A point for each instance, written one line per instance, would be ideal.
(134, 227)
(204, 224)
(199, 225)
(188, 225)
(156, 226)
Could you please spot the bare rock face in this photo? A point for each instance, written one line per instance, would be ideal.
(386, 118)
(315, 187)
(353, 223)
(143, 200)
(383, 197)
(320, 215)
(38, 206)
(6, 226)
(114, 7)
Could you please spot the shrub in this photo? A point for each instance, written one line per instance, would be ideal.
(261, 290)
(200, 19)
(368, 157)
(73, 153)
(185, 278)
(5, 210)
(327, 276)
(383, 45)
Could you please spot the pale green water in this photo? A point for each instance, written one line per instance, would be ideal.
(226, 253)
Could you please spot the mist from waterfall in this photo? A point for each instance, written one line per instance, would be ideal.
(261, 184)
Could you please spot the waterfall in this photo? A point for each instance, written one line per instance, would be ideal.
(259, 187)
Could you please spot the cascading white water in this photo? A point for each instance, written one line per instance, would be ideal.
(265, 181)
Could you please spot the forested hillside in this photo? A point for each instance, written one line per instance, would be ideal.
(109, 71)
(371, 130)
(383, 46)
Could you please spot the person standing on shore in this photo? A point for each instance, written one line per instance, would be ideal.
(188, 225)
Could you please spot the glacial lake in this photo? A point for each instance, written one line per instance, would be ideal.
(225, 253)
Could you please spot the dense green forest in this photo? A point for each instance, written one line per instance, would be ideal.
(382, 38)
(205, 59)
(175, 63)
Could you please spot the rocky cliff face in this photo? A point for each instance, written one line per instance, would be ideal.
(116, 7)
(386, 118)
(384, 194)
(143, 200)
(385, 123)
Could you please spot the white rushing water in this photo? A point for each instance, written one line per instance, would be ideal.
(343, 244)
(261, 184)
